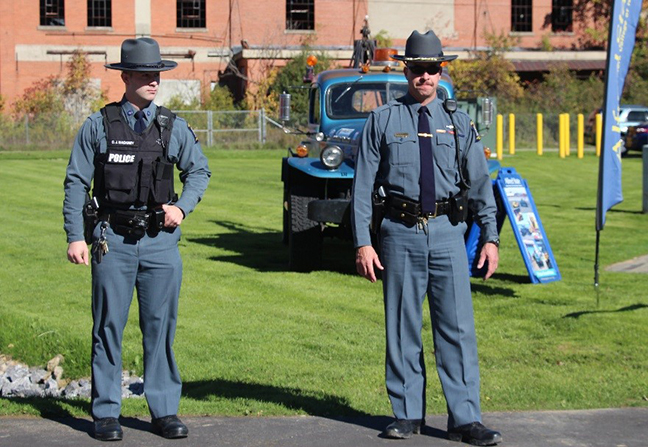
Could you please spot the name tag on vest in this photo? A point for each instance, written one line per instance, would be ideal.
(122, 142)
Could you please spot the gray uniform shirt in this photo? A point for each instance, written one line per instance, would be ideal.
(389, 156)
(184, 150)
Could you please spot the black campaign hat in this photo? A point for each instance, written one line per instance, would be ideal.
(141, 54)
(423, 48)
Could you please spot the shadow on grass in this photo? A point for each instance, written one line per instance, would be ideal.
(264, 251)
(623, 309)
(612, 210)
(487, 287)
(291, 398)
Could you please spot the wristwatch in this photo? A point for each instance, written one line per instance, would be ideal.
(494, 241)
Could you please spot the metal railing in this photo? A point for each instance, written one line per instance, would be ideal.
(57, 131)
(226, 126)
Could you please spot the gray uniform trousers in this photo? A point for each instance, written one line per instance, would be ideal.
(435, 263)
(153, 266)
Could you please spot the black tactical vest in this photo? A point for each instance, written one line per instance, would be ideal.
(135, 170)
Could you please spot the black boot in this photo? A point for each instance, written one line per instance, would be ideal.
(403, 428)
(170, 427)
(108, 429)
(475, 433)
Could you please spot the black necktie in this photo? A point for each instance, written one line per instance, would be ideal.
(428, 194)
(140, 122)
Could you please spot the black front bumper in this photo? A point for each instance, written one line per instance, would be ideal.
(335, 211)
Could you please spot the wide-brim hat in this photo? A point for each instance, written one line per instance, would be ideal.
(141, 54)
(423, 48)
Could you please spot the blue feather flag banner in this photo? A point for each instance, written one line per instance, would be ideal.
(623, 28)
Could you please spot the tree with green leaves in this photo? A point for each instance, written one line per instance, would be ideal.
(290, 79)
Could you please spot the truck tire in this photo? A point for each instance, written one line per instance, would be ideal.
(304, 235)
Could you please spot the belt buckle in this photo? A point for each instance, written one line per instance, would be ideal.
(436, 209)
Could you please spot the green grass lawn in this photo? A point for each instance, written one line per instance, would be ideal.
(256, 339)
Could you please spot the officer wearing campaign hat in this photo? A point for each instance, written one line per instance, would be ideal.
(142, 54)
(127, 153)
(423, 48)
(427, 158)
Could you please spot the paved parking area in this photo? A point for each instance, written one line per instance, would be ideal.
(626, 427)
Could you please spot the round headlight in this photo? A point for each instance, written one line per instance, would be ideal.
(332, 157)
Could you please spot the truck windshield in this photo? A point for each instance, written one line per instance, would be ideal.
(349, 100)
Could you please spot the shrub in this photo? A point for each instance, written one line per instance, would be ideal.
(42, 97)
(80, 95)
(220, 98)
(291, 78)
(486, 75)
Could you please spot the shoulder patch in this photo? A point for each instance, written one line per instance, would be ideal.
(477, 136)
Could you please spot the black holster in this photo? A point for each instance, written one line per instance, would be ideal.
(90, 218)
(458, 208)
(156, 222)
(378, 211)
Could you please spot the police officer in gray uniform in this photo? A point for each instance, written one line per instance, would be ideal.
(128, 151)
(428, 160)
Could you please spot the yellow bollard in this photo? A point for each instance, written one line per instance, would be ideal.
(500, 136)
(511, 134)
(580, 144)
(561, 135)
(567, 149)
(539, 132)
(599, 133)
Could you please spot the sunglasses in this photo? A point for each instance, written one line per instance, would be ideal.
(418, 70)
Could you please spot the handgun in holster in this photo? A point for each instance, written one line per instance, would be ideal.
(90, 218)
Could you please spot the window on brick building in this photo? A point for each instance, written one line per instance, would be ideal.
(52, 13)
(562, 13)
(300, 15)
(191, 14)
(521, 15)
(99, 12)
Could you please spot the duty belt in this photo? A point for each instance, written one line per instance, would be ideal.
(134, 223)
(442, 207)
(409, 211)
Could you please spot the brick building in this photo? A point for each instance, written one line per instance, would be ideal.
(232, 41)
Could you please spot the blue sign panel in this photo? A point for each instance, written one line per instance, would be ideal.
(515, 201)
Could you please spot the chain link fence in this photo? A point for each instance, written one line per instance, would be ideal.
(240, 127)
(213, 128)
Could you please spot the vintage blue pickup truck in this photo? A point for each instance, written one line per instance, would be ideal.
(318, 174)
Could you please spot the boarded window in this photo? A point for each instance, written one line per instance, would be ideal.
(52, 13)
(300, 14)
(191, 14)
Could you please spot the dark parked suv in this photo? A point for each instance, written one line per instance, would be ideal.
(629, 115)
(636, 138)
